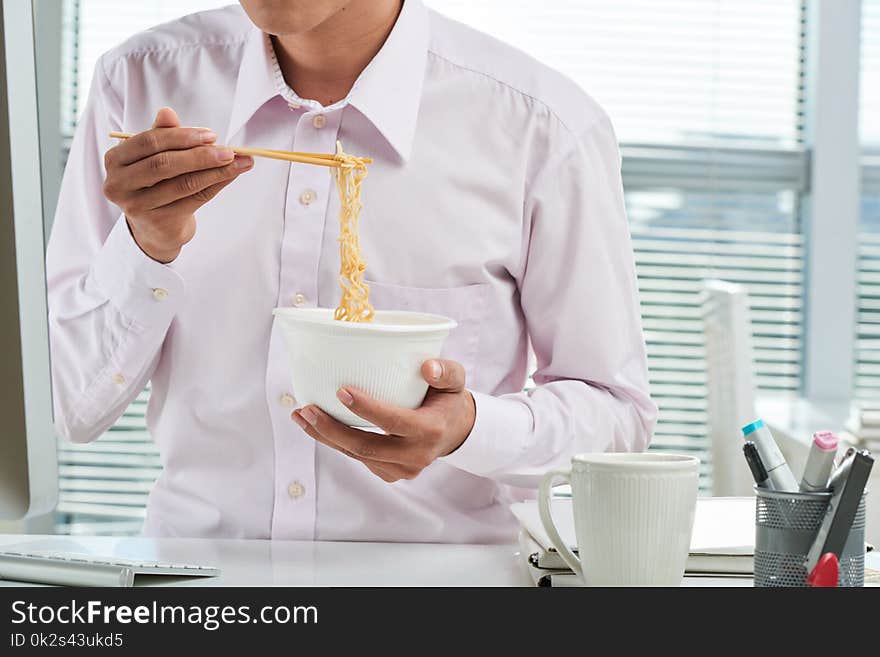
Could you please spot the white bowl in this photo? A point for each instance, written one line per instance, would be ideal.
(383, 357)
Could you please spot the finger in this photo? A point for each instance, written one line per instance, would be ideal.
(188, 184)
(314, 433)
(445, 375)
(382, 474)
(157, 140)
(388, 472)
(362, 444)
(166, 118)
(172, 163)
(391, 419)
(188, 206)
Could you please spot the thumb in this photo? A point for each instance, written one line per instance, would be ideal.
(446, 375)
(166, 118)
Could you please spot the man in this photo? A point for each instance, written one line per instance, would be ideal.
(494, 197)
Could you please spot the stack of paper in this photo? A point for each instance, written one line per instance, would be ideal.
(722, 544)
(864, 425)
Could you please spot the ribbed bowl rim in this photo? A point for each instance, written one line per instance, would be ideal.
(384, 321)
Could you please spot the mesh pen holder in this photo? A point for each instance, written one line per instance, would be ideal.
(785, 527)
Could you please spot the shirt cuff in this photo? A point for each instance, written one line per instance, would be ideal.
(142, 289)
(498, 437)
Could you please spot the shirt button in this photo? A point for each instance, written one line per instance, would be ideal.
(118, 378)
(287, 399)
(160, 294)
(296, 490)
(299, 299)
(319, 121)
(307, 197)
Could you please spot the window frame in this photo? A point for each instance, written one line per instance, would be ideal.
(832, 70)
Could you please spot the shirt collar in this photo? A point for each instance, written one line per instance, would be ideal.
(387, 92)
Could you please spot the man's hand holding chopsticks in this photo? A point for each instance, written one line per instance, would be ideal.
(160, 177)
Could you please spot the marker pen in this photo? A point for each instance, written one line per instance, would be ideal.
(819, 462)
(778, 472)
(759, 472)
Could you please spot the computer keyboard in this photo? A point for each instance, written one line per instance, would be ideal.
(74, 569)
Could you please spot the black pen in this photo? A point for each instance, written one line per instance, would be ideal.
(756, 465)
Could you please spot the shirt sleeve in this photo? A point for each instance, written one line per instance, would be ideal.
(580, 301)
(110, 305)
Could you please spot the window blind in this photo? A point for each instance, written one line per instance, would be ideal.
(665, 70)
(867, 346)
(104, 24)
(103, 486)
(682, 237)
(705, 98)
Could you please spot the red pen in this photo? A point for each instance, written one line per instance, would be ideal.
(826, 571)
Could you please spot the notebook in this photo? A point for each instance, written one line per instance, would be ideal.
(722, 543)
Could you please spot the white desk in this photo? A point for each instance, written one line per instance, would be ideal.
(793, 422)
(322, 563)
(304, 563)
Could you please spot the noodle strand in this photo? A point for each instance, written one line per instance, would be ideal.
(354, 304)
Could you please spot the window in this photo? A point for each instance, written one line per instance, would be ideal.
(867, 351)
(667, 71)
(92, 27)
(869, 82)
(104, 485)
(706, 99)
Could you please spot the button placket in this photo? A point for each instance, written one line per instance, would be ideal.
(305, 213)
(292, 518)
(311, 187)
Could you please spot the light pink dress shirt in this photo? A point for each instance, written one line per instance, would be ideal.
(494, 198)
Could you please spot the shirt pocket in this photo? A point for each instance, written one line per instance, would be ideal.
(465, 304)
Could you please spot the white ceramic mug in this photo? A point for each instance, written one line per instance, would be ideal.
(633, 517)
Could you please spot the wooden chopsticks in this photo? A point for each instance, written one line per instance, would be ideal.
(321, 159)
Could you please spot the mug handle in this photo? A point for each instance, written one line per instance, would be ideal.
(547, 519)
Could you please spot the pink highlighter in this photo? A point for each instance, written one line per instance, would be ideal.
(819, 462)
